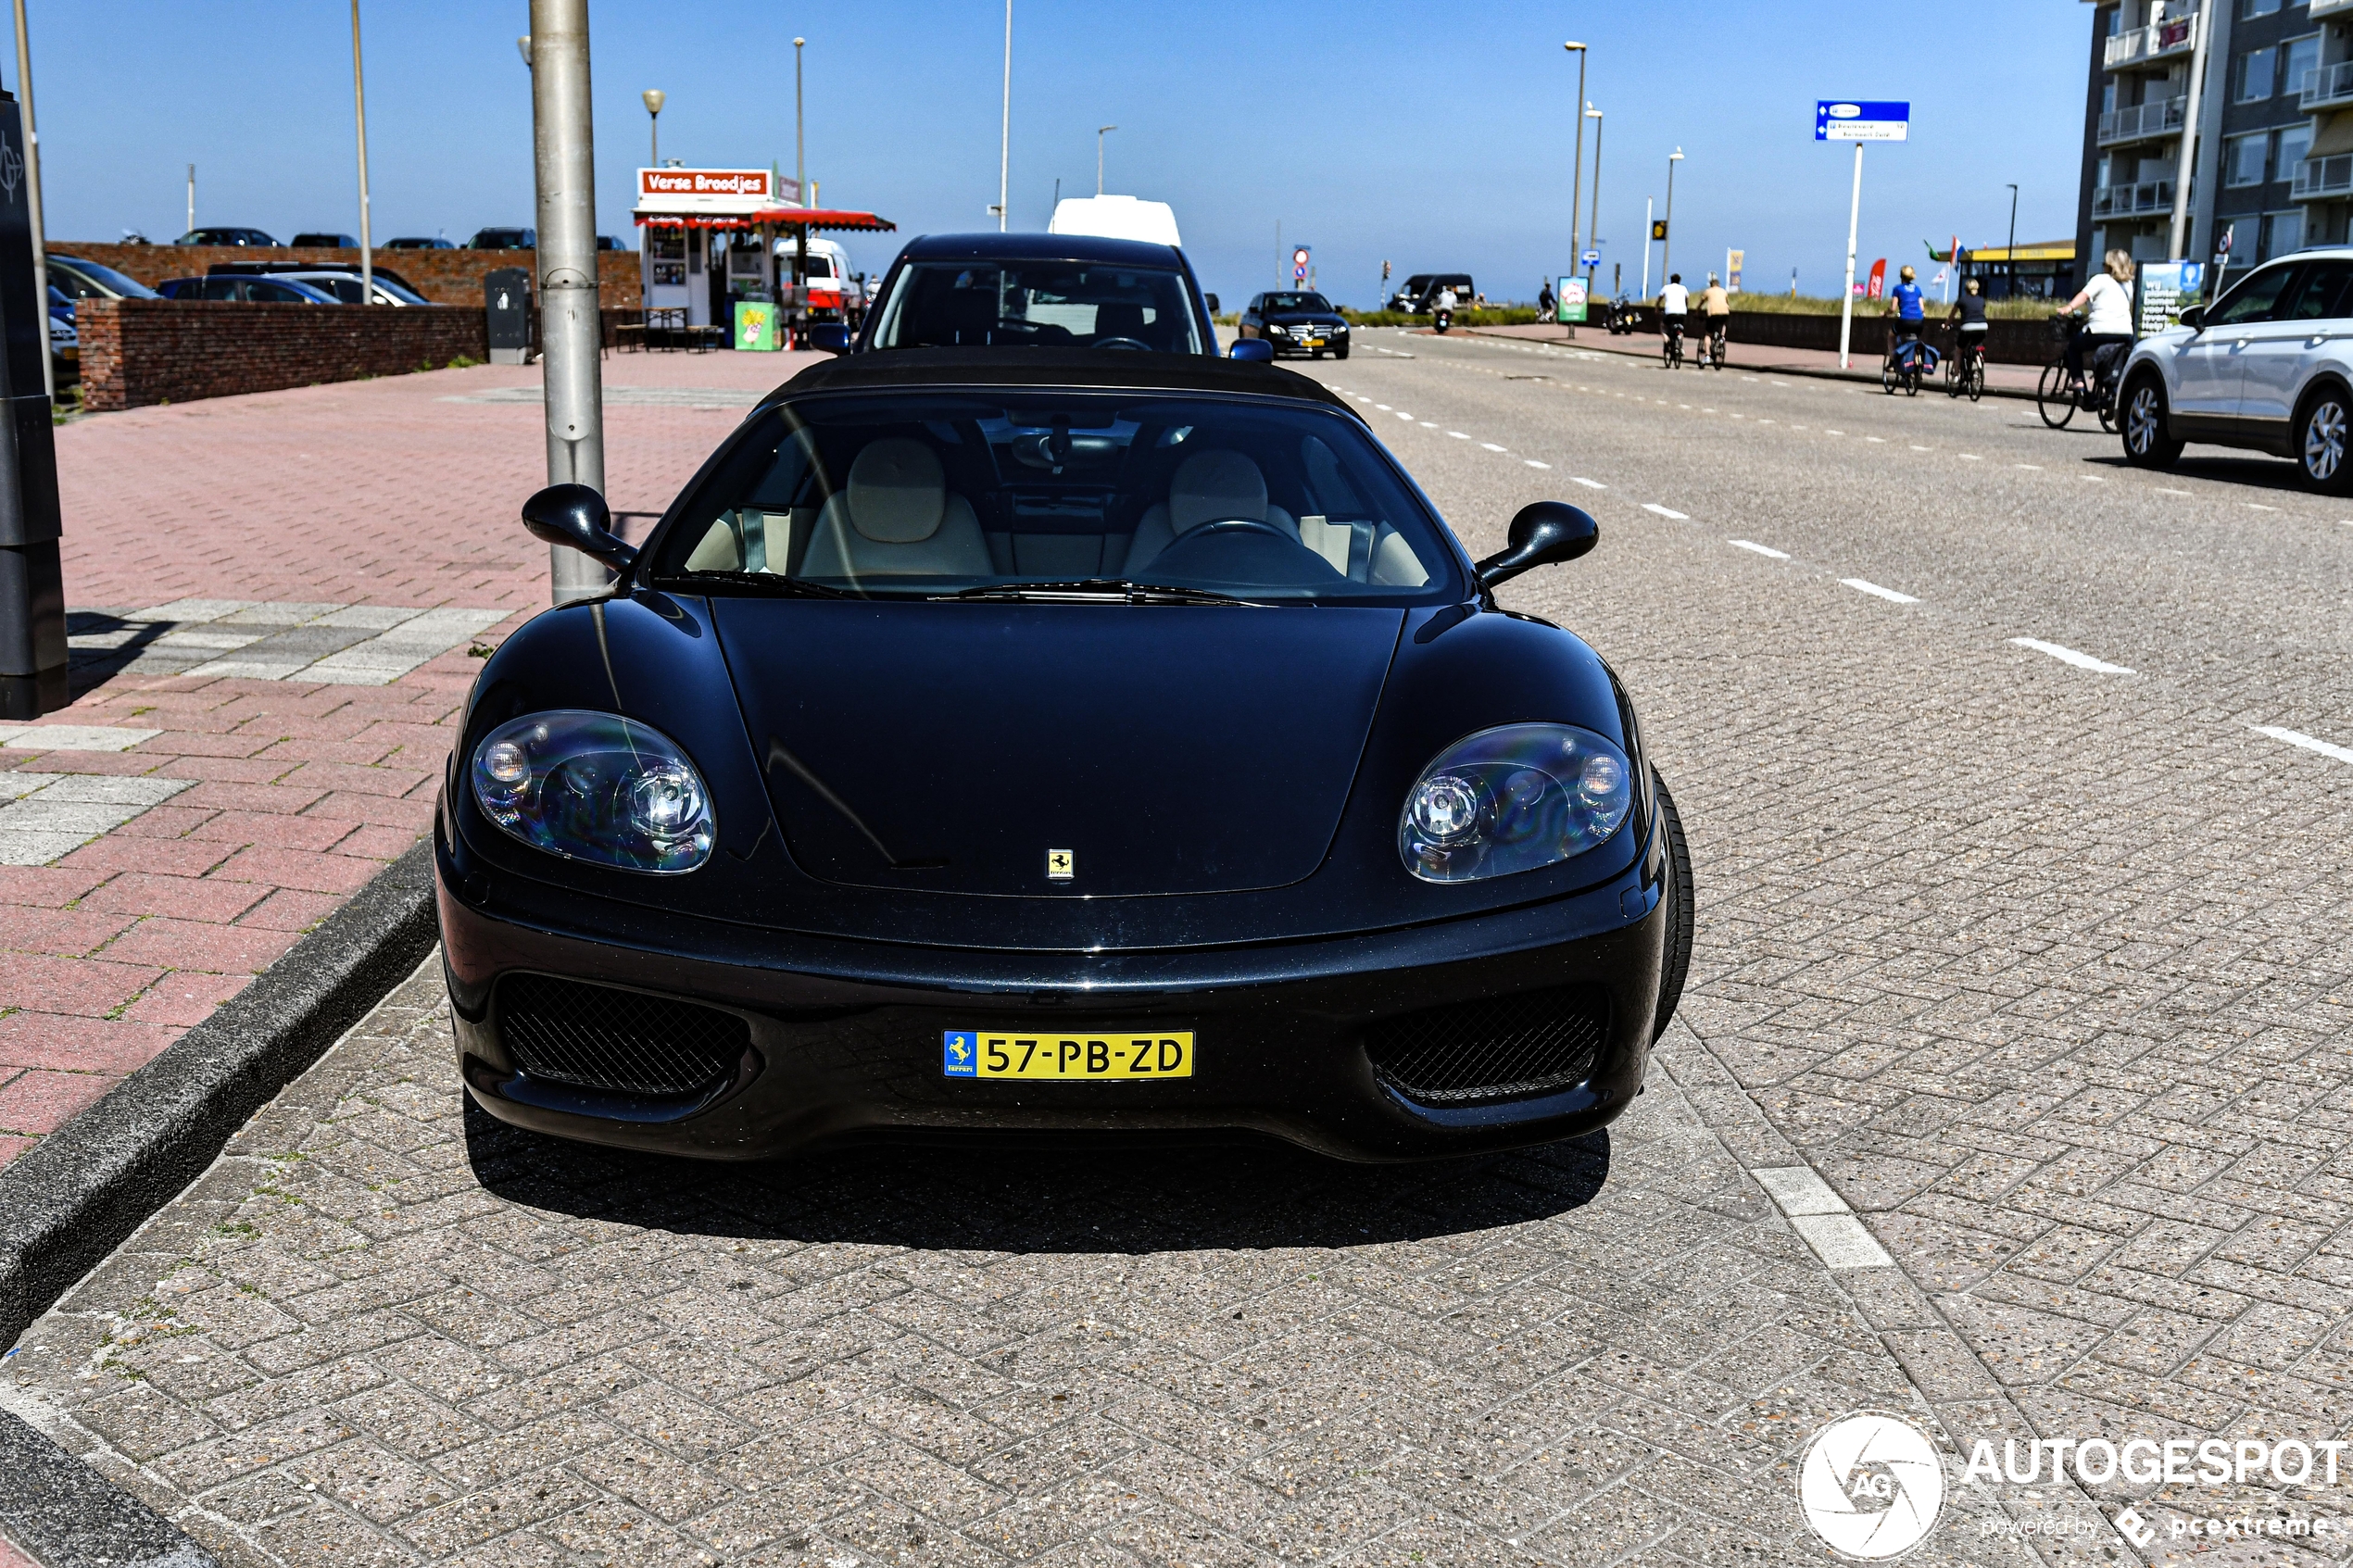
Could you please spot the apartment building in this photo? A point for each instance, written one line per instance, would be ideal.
(2273, 155)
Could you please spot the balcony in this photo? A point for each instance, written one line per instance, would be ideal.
(2318, 179)
(2327, 87)
(2329, 8)
(2148, 198)
(2147, 46)
(2158, 116)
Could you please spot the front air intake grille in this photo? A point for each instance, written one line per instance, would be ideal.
(598, 1037)
(1499, 1048)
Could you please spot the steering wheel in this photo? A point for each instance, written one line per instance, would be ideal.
(1259, 556)
(1227, 525)
(1121, 342)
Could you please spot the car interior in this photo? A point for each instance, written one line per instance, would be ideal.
(966, 503)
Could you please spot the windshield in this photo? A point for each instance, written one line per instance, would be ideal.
(1037, 304)
(89, 280)
(924, 496)
(1296, 302)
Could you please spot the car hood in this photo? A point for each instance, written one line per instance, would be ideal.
(1307, 319)
(951, 748)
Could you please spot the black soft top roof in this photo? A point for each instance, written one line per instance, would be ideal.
(1110, 369)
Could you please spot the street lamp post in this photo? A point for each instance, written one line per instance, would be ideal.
(799, 143)
(1666, 246)
(1577, 174)
(359, 111)
(565, 168)
(1005, 126)
(1100, 131)
(32, 197)
(655, 97)
(1593, 215)
(2010, 261)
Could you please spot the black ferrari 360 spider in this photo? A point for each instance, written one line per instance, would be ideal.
(1035, 740)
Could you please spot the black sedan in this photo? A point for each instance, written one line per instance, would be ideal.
(1036, 740)
(1296, 323)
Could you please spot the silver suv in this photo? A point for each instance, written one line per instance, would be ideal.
(2269, 366)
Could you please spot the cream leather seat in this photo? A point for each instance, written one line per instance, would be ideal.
(1207, 487)
(896, 518)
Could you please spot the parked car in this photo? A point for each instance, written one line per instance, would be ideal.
(1420, 292)
(89, 280)
(224, 237)
(65, 335)
(325, 242)
(339, 278)
(504, 239)
(610, 242)
(248, 288)
(1295, 323)
(1393, 880)
(1040, 290)
(420, 241)
(2268, 367)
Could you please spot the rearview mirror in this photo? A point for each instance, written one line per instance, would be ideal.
(829, 337)
(575, 515)
(1543, 534)
(1252, 348)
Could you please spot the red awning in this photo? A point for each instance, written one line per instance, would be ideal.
(811, 218)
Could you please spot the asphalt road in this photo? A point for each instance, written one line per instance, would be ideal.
(2021, 981)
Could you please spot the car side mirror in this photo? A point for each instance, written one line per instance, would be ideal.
(1213, 305)
(1543, 534)
(829, 337)
(1253, 349)
(2194, 318)
(575, 515)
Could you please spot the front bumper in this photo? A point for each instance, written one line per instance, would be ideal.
(1301, 342)
(846, 1036)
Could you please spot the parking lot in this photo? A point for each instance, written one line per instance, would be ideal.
(2016, 785)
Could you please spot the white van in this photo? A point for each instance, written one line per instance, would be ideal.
(1116, 218)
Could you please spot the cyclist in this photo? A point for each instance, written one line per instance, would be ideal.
(1907, 305)
(2107, 302)
(1545, 301)
(1969, 311)
(1716, 310)
(1674, 305)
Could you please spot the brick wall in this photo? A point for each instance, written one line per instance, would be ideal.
(446, 277)
(136, 352)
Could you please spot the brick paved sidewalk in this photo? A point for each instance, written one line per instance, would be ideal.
(274, 597)
(2015, 381)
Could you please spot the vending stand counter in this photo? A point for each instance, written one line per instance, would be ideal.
(711, 257)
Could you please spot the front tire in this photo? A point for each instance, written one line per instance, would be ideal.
(1676, 966)
(2054, 398)
(2323, 439)
(1340, 353)
(2149, 442)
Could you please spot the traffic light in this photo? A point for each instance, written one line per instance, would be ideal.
(1658, 228)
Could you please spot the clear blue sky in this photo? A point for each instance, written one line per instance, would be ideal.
(1434, 137)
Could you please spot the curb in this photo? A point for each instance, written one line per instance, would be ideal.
(1866, 378)
(83, 1191)
(62, 1514)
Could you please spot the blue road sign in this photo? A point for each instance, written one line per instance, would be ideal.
(1858, 120)
(1591, 258)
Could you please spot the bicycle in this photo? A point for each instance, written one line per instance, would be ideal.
(1965, 367)
(2060, 394)
(1712, 342)
(1671, 352)
(1908, 362)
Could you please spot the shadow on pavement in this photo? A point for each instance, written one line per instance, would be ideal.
(1140, 1197)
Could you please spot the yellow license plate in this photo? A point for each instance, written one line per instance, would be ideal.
(1065, 1058)
(1315, 343)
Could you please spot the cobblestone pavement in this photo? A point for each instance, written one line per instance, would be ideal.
(297, 579)
(2038, 965)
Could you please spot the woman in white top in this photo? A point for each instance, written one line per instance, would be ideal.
(2106, 301)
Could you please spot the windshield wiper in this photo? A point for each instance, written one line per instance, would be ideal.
(1121, 589)
(764, 582)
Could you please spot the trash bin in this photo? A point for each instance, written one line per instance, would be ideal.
(506, 293)
(755, 325)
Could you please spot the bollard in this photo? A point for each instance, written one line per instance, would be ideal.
(32, 599)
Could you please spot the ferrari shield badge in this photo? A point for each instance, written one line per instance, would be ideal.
(1060, 865)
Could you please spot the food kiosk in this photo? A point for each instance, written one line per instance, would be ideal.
(712, 244)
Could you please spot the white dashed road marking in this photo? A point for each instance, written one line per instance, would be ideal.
(1588, 483)
(2068, 656)
(1491, 446)
(1534, 464)
(1817, 1212)
(2297, 737)
(1760, 550)
(1666, 511)
(1458, 435)
(1861, 586)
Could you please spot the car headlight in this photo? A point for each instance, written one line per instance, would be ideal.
(1513, 798)
(1277, 329)
(595, 786)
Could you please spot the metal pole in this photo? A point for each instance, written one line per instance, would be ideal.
(192, 199)
(569, 334)
(1667, 247)
(359, 110)
(1593, 216)
(800, 141)
(1099, 129)
(1005, 127)
(1576, 173)
(1646, 249)
(33, 199)
(1846, 297)
(2009, 262)
(2186, 163)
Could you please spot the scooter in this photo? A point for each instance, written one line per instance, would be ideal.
(1442, 320)
(1621, 317)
